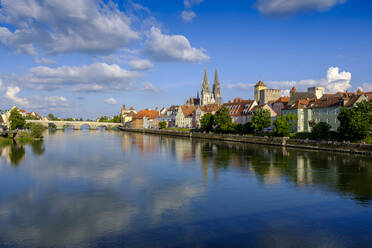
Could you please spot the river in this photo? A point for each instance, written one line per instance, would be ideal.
(116, 189)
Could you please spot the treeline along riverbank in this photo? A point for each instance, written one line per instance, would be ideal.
(331, 146)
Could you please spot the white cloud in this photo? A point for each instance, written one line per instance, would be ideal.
(94, 77)
(163, 47)
(336, 80)
(188, 16)
(240, 86)
(367, 87)
(87, 26)
(288, 7)
(149, 87)
(1, 84)
(111, 101)
(12, 95)
(35, 102)
(140, 64)
(190, 3)
(45, 61)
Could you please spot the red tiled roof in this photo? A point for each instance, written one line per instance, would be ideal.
(237, 106)
(283, 99)
(210, 108)
(300, 104)
(187, 110)
(151, 114)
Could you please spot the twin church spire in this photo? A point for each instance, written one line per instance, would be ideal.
(208, 97)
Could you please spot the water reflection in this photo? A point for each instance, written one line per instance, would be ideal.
(348, 175)
(15, 153)
(113, 189)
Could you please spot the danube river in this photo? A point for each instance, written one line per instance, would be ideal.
(115, 189)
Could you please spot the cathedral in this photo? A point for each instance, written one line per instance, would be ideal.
(206, 95)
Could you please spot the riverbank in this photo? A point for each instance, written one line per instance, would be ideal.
(365, 149)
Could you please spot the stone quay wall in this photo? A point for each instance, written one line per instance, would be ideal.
(345, 147)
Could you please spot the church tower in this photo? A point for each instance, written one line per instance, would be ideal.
(205, 94)
(216, 89)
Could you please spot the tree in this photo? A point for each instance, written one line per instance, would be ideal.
(356, 122)
(261, 119)
(52, 117)
(162, 124)
(16, 119)
(206, 122)
(284, 124)
(116, 119)
(103, 119)
(320, 130)
(222, 121)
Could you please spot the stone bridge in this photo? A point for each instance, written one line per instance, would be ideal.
(76, 124)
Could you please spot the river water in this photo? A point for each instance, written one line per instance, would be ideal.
(115, 189)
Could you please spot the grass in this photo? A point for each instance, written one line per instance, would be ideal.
(5, 141)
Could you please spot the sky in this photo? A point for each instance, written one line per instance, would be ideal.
(86, 58)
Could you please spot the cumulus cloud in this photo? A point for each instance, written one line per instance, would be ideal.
(334, 81)
(45, 61)
(12, 95)
(35, 102)
(140, 64)
(87, 26)
(165, 48)
(288, 7)
(111, 101)
(87, 78)
(188, 16)
(190, 3)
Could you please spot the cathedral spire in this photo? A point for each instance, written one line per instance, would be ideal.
(205, 86)
(216, 91)
(216, 77)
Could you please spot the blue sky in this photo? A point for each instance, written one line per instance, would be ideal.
(85, 58)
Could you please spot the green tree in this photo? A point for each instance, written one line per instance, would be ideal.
(284, 124)
(116, 119)
(356, 122)
(52, 117)
(222, 121)
(261, 119)
(16, 119)
(103, 119)
(162, 124)
(206, 122)
(320, 130)
(37, 130)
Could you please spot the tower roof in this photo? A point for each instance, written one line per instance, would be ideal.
(205, 86)
(216, 77)
(260, 83)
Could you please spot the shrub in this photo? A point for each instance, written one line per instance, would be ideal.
(37, 130)
(301, 135)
